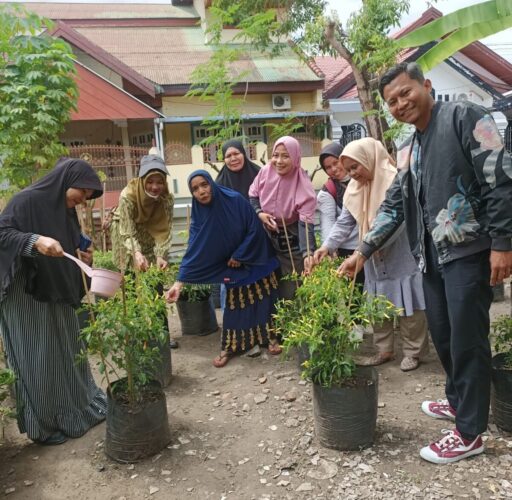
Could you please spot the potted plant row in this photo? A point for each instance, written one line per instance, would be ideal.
(501, 389)
(322, 319)
(125, 332)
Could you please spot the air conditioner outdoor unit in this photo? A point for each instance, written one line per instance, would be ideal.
(281, 101)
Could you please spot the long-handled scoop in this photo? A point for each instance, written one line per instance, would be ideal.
(103, 281)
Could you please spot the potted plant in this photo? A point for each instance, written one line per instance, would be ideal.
(195, 308)
(322, 319)
(501, 374)
(7, 379)
(125, 332)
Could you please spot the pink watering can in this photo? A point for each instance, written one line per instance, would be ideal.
(103, 281)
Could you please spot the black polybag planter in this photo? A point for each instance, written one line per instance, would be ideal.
(197, 318)
(163, 367)
(134, 434)
(501, 393)
(302, 355)
(346, 417)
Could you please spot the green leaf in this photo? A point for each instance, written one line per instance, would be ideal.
(461, 39)
(475, 14)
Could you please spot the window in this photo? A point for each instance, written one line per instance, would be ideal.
(447, 97)
(142, 140)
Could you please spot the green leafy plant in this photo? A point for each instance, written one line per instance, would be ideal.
(7, 378)
(502, 336)
(125, 331)
(322, 318)
(38, 92)
(104, 260)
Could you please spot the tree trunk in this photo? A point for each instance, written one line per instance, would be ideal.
(375, 123)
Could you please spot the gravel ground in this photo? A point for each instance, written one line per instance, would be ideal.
(246, 432)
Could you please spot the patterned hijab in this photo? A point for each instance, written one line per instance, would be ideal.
(363, 200)
(289, 196)
(151, 212)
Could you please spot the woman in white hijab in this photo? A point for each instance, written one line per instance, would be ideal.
(391, 272)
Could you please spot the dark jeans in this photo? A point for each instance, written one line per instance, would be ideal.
(458, 297)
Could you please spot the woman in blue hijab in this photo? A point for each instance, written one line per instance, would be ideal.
(227, 244)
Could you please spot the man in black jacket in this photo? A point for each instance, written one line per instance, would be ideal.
(454, 191)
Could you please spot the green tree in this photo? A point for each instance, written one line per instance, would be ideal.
(364, 43)
(459, 29)
(37, 94)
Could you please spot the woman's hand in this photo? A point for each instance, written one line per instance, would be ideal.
(269, 222)
(309, 264)
(86, 256)
(233, 263)
(320, 254)
(161, 263)
(141, 263)
(173, 294)
(49, 247)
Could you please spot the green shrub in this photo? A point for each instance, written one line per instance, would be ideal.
(322, 318)
(502, 336)
(7, 378)
(125, 332)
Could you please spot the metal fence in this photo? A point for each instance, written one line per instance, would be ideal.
(118, 163)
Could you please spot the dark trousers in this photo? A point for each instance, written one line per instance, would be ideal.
(458, 297)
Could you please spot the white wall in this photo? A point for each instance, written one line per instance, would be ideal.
(445, 81)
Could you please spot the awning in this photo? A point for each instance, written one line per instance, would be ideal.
(252, 116)
(100, 99)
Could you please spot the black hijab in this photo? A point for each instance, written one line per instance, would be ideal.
(41, 209)
(334, 149)
(238, 181)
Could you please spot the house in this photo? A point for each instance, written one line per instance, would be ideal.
(141, 57)
(475, 73)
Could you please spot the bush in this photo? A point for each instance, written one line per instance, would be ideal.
(322, 318)
(125, 332)
(502, 336)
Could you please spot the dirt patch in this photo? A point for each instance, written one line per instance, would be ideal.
(246, 431)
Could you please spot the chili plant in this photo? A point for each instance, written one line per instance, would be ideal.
(502, 336)
(125, 332)
(322, 318)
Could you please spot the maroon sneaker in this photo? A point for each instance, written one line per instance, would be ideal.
(439, 409)
(451, 448)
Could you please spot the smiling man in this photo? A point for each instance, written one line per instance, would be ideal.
(454, 191)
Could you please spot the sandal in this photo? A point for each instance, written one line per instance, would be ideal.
(275, 349)
(379, 359)
(221, 360)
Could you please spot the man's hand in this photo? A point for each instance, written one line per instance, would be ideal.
(320, 254)
(352, 265)
(49, 247)
(501, 266)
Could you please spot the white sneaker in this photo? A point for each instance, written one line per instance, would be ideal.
(439, 409)
(451, 448)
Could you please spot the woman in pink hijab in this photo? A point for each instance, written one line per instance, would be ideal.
(285, 201)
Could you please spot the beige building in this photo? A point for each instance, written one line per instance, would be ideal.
(147, 53)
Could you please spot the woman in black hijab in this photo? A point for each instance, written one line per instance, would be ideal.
(238, 171)
(56, 397)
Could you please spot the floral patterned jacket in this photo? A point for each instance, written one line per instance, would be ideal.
(454, 181)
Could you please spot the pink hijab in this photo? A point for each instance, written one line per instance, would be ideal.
(290, 196)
